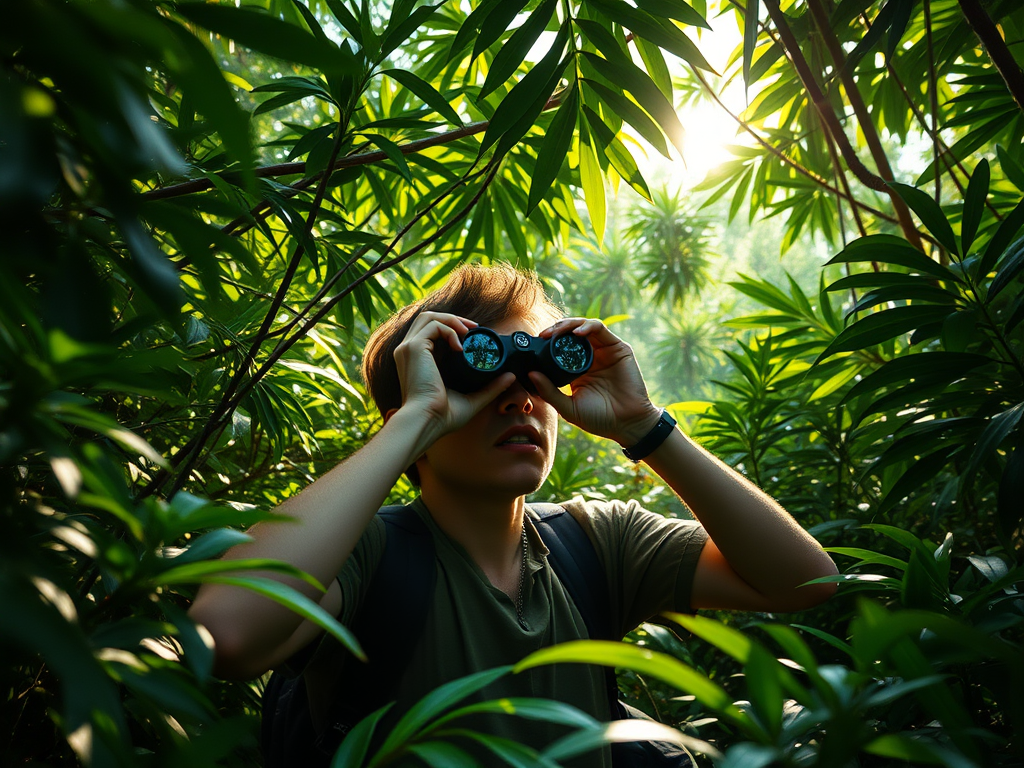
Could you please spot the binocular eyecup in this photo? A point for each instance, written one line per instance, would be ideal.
(487, 354)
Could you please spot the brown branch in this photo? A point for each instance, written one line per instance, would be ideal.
(222, 410)
(291, 169)
(992, 41)
(856, 101)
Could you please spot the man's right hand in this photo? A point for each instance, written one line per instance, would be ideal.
(422, 386)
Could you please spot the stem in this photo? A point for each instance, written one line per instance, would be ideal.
(268, 319)
(856, 101)
(993, 43)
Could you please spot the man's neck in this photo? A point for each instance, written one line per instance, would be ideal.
(488, 528)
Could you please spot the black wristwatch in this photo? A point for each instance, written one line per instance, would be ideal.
(649, 442)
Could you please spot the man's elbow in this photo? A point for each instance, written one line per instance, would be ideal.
(808, 595)
(233, 656)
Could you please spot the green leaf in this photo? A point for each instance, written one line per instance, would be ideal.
(647, 94)
(883, 326)
(1000, 243)
(674, 9)
(642, 660)
(892, 250)
(974, 205)
(590, 739)
(295, 602)
(940, 366)
(467, 32)
(531, 709)
(441, 754)
(353, 749)
(210, 545)
(750, 32)
(617, 155)
(197, 572)
(557, 142)
(592, 182)
(930, 213)
(396, 35)
(435, 703)
(1012, 170)
(427, 94)
(496, 23)
(663, 34)
(632, 114)
(267, 34)
(519, 109)
(512, 53)
(393, 151)
(998, 429)
(725, 638)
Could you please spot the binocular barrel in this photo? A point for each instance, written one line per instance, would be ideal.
(486, 355)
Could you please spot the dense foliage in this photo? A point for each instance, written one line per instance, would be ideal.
(206, 208)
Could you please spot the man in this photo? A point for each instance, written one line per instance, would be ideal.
(475, 458)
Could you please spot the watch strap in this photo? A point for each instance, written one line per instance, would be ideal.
(649, 442)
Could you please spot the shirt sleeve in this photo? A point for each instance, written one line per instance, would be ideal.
(649, 559)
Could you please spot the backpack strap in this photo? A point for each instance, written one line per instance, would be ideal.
(574, 560)
(393, 613)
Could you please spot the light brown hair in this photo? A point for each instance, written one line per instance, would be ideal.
(486, 295)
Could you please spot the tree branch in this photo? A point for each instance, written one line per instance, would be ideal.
(992, 41)
(860, 109)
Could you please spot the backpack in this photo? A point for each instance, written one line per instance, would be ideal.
(401, 590)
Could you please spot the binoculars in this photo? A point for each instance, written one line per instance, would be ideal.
(486, 355)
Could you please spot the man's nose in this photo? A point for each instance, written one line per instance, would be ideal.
(515, 399)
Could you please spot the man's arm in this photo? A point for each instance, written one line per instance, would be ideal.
(757, 555)
(252, 633)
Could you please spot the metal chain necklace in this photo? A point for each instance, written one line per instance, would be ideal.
(522, 579)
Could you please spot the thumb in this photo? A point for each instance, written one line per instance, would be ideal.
(558, 399)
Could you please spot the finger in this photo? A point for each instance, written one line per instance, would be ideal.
(597, 332)
(551, 394)
(565, 325)
(461, 325)
(480, 398)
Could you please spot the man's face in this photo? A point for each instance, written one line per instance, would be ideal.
(507, 449)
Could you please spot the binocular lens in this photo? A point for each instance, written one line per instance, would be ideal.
(481, 351)
(570, 353)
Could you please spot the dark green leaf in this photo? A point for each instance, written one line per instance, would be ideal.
(496, 23)
(396, 35)
(393, 151)
(883, 326)
(750, 31)
(647, 94)
(974, 205)
(512, 53)
(889, 249)
(944, 367)
(267, 34)
(663, 34)
(674, 9)
(427, 94)
(632, 114)
(554, 150)
(929, 212)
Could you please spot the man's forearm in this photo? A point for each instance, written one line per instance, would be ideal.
(330, 516)
(761, 542)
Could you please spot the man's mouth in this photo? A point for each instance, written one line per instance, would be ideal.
(518, 440)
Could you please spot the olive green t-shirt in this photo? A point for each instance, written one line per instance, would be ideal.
(472, 626)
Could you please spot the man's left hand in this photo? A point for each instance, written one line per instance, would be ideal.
(610, 399)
